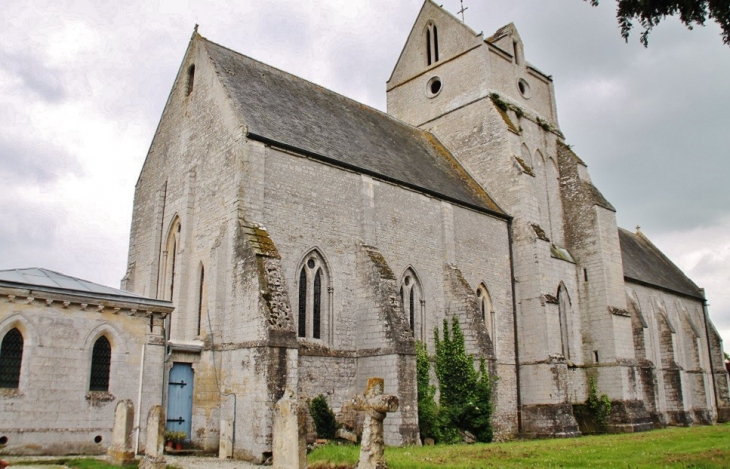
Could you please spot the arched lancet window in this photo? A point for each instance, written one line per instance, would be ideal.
(202, 299)
(432, 43)
(313, 296)
(484, 300)
(170, 260)
(101, 361)
(11, 357)
(564, 310)
(411, 298)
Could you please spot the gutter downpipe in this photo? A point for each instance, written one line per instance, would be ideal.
(514, 322)
(139, 397)
(705, 316)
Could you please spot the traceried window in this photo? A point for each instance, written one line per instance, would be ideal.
(412, 301)
(101, 361)
(313, 297)
(11, 357)
(484, 300)
(432, 43)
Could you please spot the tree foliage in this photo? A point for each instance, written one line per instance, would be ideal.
(649, 13)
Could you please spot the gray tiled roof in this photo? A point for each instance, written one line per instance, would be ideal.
(288, 110)
(50, 280)
(645, 263)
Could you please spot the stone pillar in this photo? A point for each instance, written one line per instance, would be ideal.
(288, 433)
(376, 405)
(120, 452)
(155, 442)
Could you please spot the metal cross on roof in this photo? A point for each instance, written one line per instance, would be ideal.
(462, 10)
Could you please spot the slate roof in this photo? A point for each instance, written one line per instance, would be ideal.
(281, 108)
(645, 263)
(50, 281)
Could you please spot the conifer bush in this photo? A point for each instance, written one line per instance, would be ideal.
(465, 394)
(324, 418)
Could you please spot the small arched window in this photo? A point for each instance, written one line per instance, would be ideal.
(432, 43)
(11, 357)
(191, 79)
(313, 299)
(412, 301)
(101, 361)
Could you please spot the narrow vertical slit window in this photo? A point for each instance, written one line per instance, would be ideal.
(428, 46)
(412, 309)
(317, 306)
(101, 360)
(191, 79)
(303, 303)
(435, 44)
(11, 357)
(201, 294)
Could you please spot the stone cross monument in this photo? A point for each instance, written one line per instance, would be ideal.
(376, 405)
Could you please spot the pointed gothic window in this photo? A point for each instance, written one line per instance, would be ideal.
(432, 43)
(564, 309)
(101, 360)
(484, 300)
(11, 357)
(313, 297)
(170, 259)
(412, 301)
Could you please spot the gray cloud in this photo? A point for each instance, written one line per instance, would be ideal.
(35, 162)
(34, 75)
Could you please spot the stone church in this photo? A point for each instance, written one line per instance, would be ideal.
(307, 241)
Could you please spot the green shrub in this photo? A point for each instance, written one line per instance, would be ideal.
(465, 399)
(600, 408)
(324, 418)
(428, 412)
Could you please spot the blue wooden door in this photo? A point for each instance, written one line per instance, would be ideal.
(180, 398)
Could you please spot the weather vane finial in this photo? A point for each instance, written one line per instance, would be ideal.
(461, 12)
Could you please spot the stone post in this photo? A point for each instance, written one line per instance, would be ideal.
(288, 433)
(120, 452)
(376, 405)
(225, 445)
(155, 442)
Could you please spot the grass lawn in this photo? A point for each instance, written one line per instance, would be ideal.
(696, 447)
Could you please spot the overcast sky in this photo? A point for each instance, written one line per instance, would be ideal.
(83, 84)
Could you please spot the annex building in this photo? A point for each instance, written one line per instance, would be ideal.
(307, 241)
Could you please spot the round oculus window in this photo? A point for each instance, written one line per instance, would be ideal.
(524, 88)
(434, 87)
